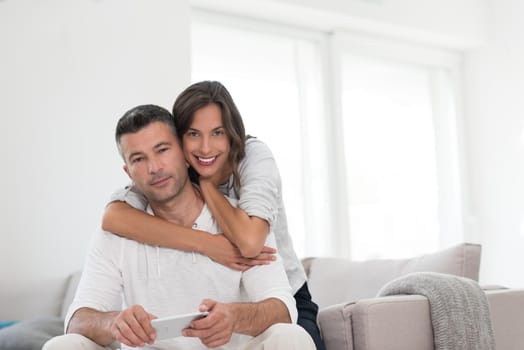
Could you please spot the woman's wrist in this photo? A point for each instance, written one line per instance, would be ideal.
(206, 185)
(204, 242)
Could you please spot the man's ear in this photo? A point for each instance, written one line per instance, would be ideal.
(127, 171)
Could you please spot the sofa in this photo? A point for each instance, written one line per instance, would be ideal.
(26, 326)
(350, 316)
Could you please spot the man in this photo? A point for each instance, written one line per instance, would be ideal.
(247, 310)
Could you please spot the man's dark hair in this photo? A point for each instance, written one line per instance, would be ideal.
(139, 117)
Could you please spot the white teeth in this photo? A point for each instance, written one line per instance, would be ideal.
(206, 160)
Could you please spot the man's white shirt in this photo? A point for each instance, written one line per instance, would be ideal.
(120, 272)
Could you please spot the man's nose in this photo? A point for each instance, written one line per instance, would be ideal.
(153, 166)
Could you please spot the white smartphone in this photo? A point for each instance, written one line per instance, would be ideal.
(172, 326)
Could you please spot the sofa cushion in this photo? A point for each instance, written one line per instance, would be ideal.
(31, 334)
(336, 280)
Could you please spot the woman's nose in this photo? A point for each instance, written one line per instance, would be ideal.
(205, 146)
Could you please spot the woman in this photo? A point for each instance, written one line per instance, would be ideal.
(223, 161)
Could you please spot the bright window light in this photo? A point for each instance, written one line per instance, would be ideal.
(390, 158)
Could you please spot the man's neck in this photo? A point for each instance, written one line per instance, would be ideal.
(183, 209)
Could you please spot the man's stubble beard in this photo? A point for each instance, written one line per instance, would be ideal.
(165, 197)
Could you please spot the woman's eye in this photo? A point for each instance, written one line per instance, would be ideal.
(192, 134)
(218, 133)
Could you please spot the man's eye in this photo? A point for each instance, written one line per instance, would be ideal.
(162, 150)
(137, 160)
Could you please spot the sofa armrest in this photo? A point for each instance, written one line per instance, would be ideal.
(394, 323)
(397, 322)
(336, 326)
(507, 317)
(403, 322)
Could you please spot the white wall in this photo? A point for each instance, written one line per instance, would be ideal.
(68, 71)
(494, 87)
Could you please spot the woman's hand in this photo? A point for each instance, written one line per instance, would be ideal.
(225, 253)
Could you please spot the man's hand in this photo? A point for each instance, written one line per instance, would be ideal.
(225, 253)
(245, 318)
(132, 327)
(216, 328)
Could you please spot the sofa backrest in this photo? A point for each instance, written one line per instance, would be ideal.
(337, 280)
(70, 291)
(24, 299)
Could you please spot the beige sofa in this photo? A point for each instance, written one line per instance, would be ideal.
(352, 318)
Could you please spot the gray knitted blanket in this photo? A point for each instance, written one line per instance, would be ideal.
(459, 309)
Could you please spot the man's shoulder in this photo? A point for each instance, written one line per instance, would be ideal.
(105, 237)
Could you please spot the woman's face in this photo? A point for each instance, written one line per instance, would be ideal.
(206, 144)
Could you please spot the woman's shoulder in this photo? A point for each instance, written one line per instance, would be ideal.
(258, 161)
(255, 146)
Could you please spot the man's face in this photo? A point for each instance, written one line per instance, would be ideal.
(155, 162)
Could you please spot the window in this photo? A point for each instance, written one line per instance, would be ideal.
(363, 131)
(397, 108)
(390, 154)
